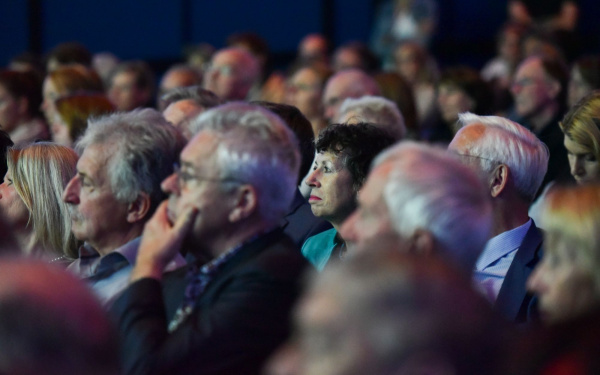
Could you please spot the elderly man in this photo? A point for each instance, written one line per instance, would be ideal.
(177, 76)
(232, 73)
(225, 313)
(124, 157)
(351, 83)
(511, 162)
(445, 211)
(539, 91)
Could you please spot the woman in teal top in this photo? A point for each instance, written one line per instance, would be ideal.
(344, 154)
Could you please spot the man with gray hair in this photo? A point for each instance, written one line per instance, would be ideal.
(124, 158)
(375, 110)
(236, 180)
(232, 73)
(350, 83)
(511, 161)
(443, 212)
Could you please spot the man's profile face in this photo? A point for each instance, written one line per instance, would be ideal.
(532, 90)
(226, 76)
(371, 219)
(198, 184)
(96, 214)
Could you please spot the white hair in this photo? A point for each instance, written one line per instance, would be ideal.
(428, 189)
(378, 111)
(507, 142)
(255, 147)
(144, 147)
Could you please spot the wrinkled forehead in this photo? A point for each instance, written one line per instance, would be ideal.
(200, 151)
(466, 137)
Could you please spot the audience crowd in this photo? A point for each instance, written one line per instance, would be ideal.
(367, 211)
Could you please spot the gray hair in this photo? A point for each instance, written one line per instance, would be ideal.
(378, 111)
(257, 148)
(201, 97)
(144, 147)
(509, 143)
(428, 189)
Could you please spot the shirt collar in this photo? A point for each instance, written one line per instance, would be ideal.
(501, 245)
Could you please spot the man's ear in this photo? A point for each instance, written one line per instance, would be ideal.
(422, 243)
(245, 203)
(139, 208)
(498, 180)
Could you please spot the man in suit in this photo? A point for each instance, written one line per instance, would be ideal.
(228, 310)
(512, 163)
(419, 211)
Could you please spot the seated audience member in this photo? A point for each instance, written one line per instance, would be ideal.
(313, 48)
(5, 143)
(455, 215)
(20, 116)
(231, 74)
(72, 114)
(235, 308)
(352, 83)
(354, 55)
(581, 128)
(304, 90)
(185, 103)
(416, 66)
(68, 53)
(390, 313)
(30, 198)
(374, 110)
(344, 153)
(511, 161)
(539, 92)
(51, 324)
(397, 89)
(65, 81)
(131, 85)
(124, 158)
(177, 76)
(460, 89)
(567, 280)
(299, 222)
(585, 78)
(104, 63)
(499, 71)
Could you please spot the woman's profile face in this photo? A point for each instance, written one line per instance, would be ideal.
(332, 195)
(11, 205)
(584, 165)
(565, 287)
(60, 132)
(50, 94)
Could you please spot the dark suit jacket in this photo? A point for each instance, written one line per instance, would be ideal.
(241, 317)
(514, 302)
(300, 223)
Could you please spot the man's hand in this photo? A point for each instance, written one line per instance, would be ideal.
(161, 242)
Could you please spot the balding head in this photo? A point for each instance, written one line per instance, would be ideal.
(232, 73)
(351, 83)
(51, 323)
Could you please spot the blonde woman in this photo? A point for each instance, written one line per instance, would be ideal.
(567, 280)
(32, 188)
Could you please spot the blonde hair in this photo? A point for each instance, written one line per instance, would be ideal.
(572, 214)
(582, 123)
(40, 171)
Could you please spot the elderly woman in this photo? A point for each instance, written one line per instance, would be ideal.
(30, 198)
(344, 154)
(567, 280)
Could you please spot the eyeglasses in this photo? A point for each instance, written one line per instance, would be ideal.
(475, 156)
(184, 178)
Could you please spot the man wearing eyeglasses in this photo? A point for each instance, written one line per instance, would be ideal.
(511, 161)
(231, 74)
(229, 309)
(124, 157)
